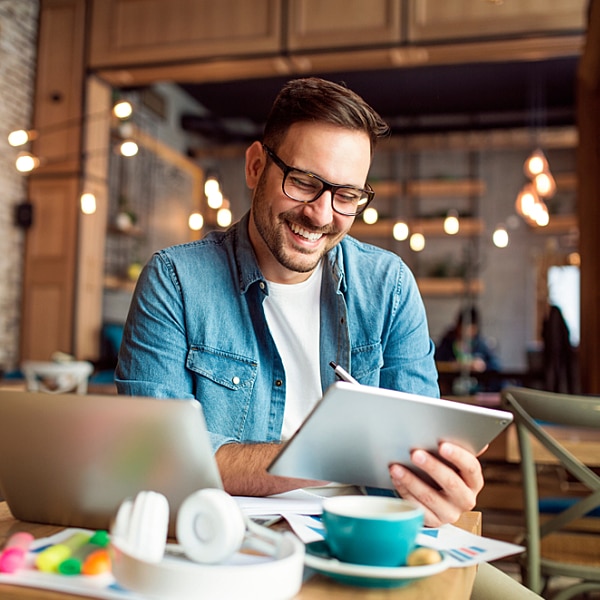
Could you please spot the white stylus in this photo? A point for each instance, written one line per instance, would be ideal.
(342, 373)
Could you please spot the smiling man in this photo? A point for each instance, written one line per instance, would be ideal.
(247, 320)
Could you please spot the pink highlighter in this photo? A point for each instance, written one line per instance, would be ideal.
(12, 558)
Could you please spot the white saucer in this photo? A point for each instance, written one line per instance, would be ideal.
(318, 558)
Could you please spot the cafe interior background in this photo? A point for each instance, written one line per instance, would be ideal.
(471, 89)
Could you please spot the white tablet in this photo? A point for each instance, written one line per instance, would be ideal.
(356, 431)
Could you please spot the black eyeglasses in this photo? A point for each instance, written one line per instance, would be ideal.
(307, 187)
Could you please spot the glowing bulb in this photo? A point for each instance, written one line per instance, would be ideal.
(451, 223)
(223, 217)
(122, 109)
(211, 186)
(526, 200)
(500, 237)
(26, 162)
(129, 148)
(535, 164)
(417, 242)
(215, 200)
(88, 203)
(196, 221)
(544, 184)
(18, 138)
(370, 216)
(400, 231)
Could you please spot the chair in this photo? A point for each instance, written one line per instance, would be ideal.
(539, 415)
(57, 377)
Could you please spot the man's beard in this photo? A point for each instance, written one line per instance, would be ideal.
(269, 226)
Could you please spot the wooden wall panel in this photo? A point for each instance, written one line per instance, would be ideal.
(51, 243)
(435, 20)
(58, 103)
(137, 32)
(342, 23)
(49, 274)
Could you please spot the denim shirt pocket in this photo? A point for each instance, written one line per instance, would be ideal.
(224, 383)
(366, 361)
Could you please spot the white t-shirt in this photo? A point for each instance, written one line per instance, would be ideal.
(293, 315)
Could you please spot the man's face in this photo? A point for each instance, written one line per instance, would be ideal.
(290, 237)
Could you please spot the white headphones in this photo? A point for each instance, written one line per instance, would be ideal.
(211, 529)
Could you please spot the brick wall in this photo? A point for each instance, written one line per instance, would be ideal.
(18, 39)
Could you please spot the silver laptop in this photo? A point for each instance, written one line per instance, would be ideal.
(71, 459)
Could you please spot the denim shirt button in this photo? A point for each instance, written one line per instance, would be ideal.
(278, 382)
(235, 380)
(261, 285)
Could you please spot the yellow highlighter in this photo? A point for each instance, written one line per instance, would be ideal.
(49, 559)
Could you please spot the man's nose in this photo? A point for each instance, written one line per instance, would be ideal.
(321, 210)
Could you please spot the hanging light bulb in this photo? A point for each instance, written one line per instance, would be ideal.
(544, 184)
(451, 222)
(400, 231)
(215, 199)
(526, 200)
(20, 137)
(26, 162)
(224, 217)
(123, 109)
(417, 242)
(540, 214)
(211, 186)
(196, 221)
(88, 203)
(370, 216)
(500, 237)
(535, 164)
(128, 148)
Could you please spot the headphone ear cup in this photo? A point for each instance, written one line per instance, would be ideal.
(210, 526)
(141, 526)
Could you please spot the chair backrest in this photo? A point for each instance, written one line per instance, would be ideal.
(57, 377)
(536, 414)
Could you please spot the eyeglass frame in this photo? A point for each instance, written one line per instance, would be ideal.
(327, 185)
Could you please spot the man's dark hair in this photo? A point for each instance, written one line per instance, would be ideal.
(319, 101)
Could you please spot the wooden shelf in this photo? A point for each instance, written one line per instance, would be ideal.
(447, 286)
(440, 188)
(428, 227)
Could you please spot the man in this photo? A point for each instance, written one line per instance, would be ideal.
(247, 320)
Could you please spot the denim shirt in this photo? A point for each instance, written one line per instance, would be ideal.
(196, 329)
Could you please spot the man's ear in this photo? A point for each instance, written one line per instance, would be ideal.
(255, 163)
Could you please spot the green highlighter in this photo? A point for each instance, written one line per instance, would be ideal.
(73, 565)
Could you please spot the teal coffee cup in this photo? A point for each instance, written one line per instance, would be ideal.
(371, 530)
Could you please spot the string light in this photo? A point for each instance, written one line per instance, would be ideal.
(417, 242)
(224, 217)
(451, 222)
(500, 237)
(196, 221)
(400, 231)
(370, 216)
(88, 203)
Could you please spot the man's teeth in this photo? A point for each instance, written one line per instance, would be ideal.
(312, 237)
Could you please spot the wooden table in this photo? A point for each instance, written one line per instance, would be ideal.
(452, 584)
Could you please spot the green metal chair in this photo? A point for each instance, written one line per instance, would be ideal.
(534, 411)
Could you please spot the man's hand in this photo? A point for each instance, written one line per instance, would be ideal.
(243, 469)
(459, 488)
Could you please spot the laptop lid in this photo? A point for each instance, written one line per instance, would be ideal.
(69, 459)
